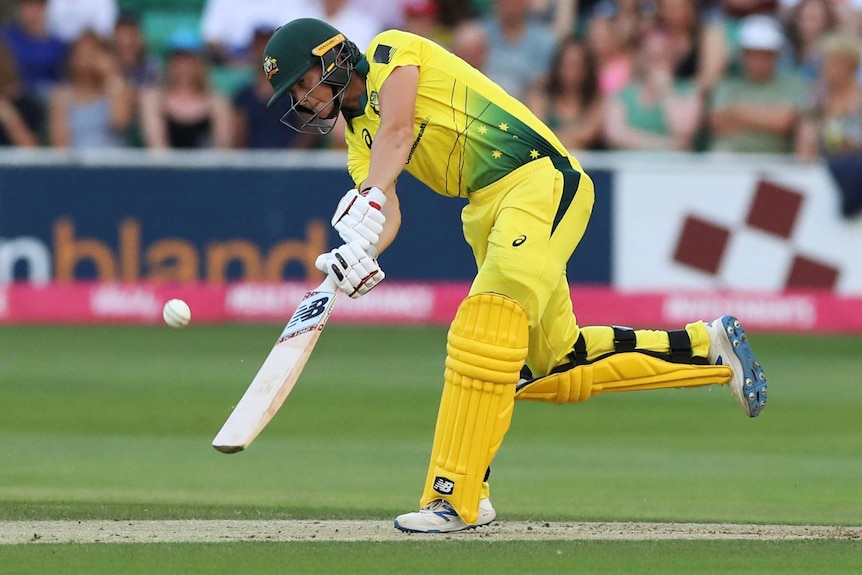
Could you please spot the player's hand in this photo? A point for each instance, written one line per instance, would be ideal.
(358, 218)
(351, 268)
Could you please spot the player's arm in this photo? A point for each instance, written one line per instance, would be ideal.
(392, 210)
(354, 266)
(392, 144)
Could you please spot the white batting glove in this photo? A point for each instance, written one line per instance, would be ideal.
(358, 217)
(351, 268)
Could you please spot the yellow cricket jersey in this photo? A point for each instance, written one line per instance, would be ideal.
(468, 132)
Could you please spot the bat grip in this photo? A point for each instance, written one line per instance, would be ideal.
(328, 285)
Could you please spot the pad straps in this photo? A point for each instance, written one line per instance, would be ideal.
(680, 348)
(625, 339)
(579, 351)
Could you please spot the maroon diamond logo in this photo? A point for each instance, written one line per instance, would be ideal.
(701, 245)
(775, 209)
(808, 273)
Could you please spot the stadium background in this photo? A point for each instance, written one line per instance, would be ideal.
(108, 414)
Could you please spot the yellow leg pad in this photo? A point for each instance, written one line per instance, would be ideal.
(621, 372)
(487, 346)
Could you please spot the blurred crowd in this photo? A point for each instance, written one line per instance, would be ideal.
(748, 76)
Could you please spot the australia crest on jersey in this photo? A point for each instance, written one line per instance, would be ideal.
(374, 101)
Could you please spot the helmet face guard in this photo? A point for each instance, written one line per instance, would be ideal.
(337, 57)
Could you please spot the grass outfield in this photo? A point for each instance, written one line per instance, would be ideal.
(523, 558)
(112, 422)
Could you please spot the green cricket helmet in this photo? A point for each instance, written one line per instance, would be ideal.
(291, 52)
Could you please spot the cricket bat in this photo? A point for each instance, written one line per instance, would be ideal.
(279, 372)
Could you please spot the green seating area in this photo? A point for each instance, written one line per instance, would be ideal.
(163, 5)
(158, 25)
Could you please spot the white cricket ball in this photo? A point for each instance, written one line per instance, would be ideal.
(177, 313)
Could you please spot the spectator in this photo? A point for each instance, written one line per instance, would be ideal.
(420, 18)
(568, 101)
(633, 17)
(68, 19)
(560, 14)
(470, 43)
(835, 125)
(184, 112)
(809, 21)
(354, 24)
(743, 8)
(139, 68)
(228, 26)
(360, 29)
(720, 54)
(93, 109)
(847, 13)
(39, 56)
(389, 14)
(255, 125)
(20, 114)
(654, 111)
(584, 11)
(519, 48)
(612, 53)
(453, 12)
(759, 111)
(680, 20)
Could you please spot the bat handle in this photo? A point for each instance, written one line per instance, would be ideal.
(328, 285)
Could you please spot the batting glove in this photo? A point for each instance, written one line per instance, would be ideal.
(358, 217)
(351, 268)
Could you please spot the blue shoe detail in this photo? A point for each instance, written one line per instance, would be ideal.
(446, 513)
(754, 379)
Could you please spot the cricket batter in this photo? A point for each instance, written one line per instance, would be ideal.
(410, 104)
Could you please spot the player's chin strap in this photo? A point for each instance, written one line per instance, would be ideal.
(337, 65)
(627, 368)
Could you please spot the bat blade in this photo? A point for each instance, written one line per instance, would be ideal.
(279, 373)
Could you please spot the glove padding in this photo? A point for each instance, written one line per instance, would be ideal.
(351, 268)
(358, 217)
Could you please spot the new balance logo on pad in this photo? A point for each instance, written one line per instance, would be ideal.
(443, 485)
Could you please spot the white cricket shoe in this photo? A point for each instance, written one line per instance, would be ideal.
(728, 345)
(439, 517)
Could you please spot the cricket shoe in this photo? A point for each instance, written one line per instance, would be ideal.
(440, 517)
(728, 345)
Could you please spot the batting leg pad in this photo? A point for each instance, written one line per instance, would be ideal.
(620, 372)
(487, 346)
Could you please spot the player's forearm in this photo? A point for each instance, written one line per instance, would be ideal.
(388, 156)
(683, 116)
(776, 119)
(392, 210)
(634, 139)
(120, 99)
(724, 121)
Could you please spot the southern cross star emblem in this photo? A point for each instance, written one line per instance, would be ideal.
(497, 154)
(534, 154)
(482, 129)
(504, 126)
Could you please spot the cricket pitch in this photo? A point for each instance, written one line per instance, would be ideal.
(208, 531)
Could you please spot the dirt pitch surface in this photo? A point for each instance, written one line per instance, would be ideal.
(208, 531)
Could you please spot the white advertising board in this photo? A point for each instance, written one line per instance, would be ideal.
(722, 223)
